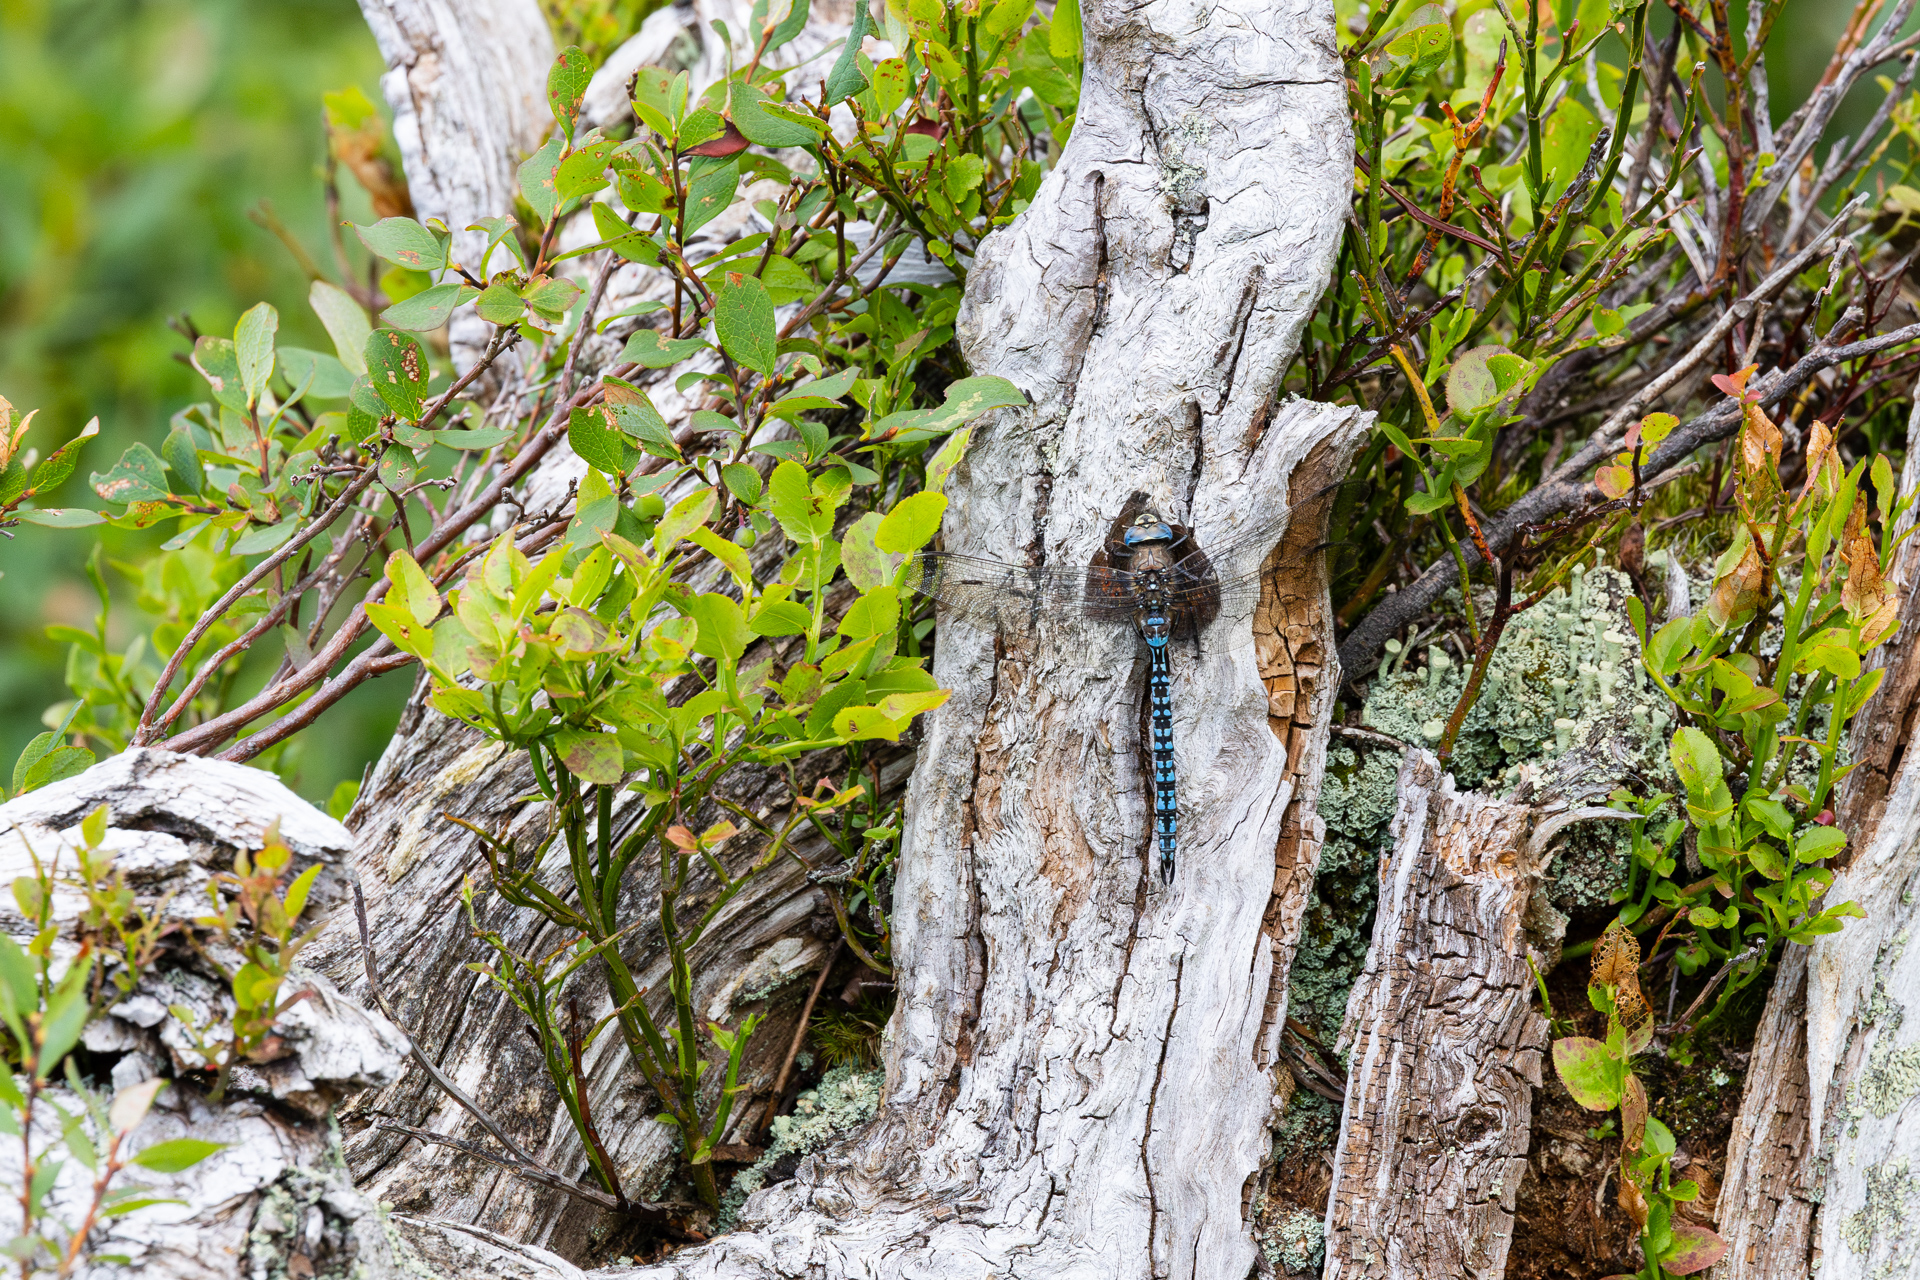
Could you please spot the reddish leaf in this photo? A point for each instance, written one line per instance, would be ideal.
(1695, 1248)
(1734, 384)
(681, 838)
(726, 144)
(1614, 482)
(928, 128)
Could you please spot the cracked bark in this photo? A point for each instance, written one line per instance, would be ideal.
(1444, 1040)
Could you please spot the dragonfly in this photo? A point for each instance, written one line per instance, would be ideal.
(1151, 574)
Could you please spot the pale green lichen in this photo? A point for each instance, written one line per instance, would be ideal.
(1566, 674)
(845, 1097)
(1356, 801)
(1890, 1190)
(1296, 1245)
(1310, 1123)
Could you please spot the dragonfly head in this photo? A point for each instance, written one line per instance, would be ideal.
(1148, 529)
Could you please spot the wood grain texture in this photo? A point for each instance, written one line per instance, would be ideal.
(1077, 1068)
(1445, 1044)
(466, 82)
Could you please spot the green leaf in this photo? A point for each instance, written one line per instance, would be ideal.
(743, 482)
(1694, 1248)
(61, 517)
(723, 627)
(966, 399)
(803, 512)
(296, 900)
(781, 618)
(345, 323)
(66, 1016)
(1421, 49)
(413, 588)
(648, 349)
(478, 440)
(567, 84)
(857, 724)
(1695, 759)
(1771, 815)
(253, 348)
(537, 179)
(912, 523)
(709, 191)
(583, 172)
(683, 518)
(262, 538)
(52, 473)
(324, 377)
(1470, 384)
(770, 124)
(1063, 41)
(429, 308)
(651, 95)
(176, 1154)
(139, 476)
(876, 613)
(593, 757)
(1767, 860)
(405, 243)
(846, 78)
(743, 321)
(598, 443)
(397, 368)
(1818, 842)
(730, 554)
(499, 304)
(220, 366)
(183, 460)
(551, 296)
(792, 25)
(867, 566)
(1593, 1071)
(57, 765)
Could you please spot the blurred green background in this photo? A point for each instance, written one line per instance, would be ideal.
(135, 136)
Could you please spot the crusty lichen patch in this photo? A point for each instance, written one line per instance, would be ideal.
(845, 1097)
(1879, 1225)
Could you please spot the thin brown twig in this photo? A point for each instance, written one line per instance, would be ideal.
(799, 1034)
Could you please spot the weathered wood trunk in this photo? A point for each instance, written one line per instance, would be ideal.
(1076, 1078)
(1078, 1071)
(1444, 1041)
(1816, 1168)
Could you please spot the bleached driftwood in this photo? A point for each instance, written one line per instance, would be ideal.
(279, 1190)
(1080, 1060)
(1444, 1042)
(466, 82)
(1075, 1069)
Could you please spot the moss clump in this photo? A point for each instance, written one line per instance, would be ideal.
(845, 1097)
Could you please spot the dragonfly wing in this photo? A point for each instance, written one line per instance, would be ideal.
(1010, 598)
(1235, 559)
